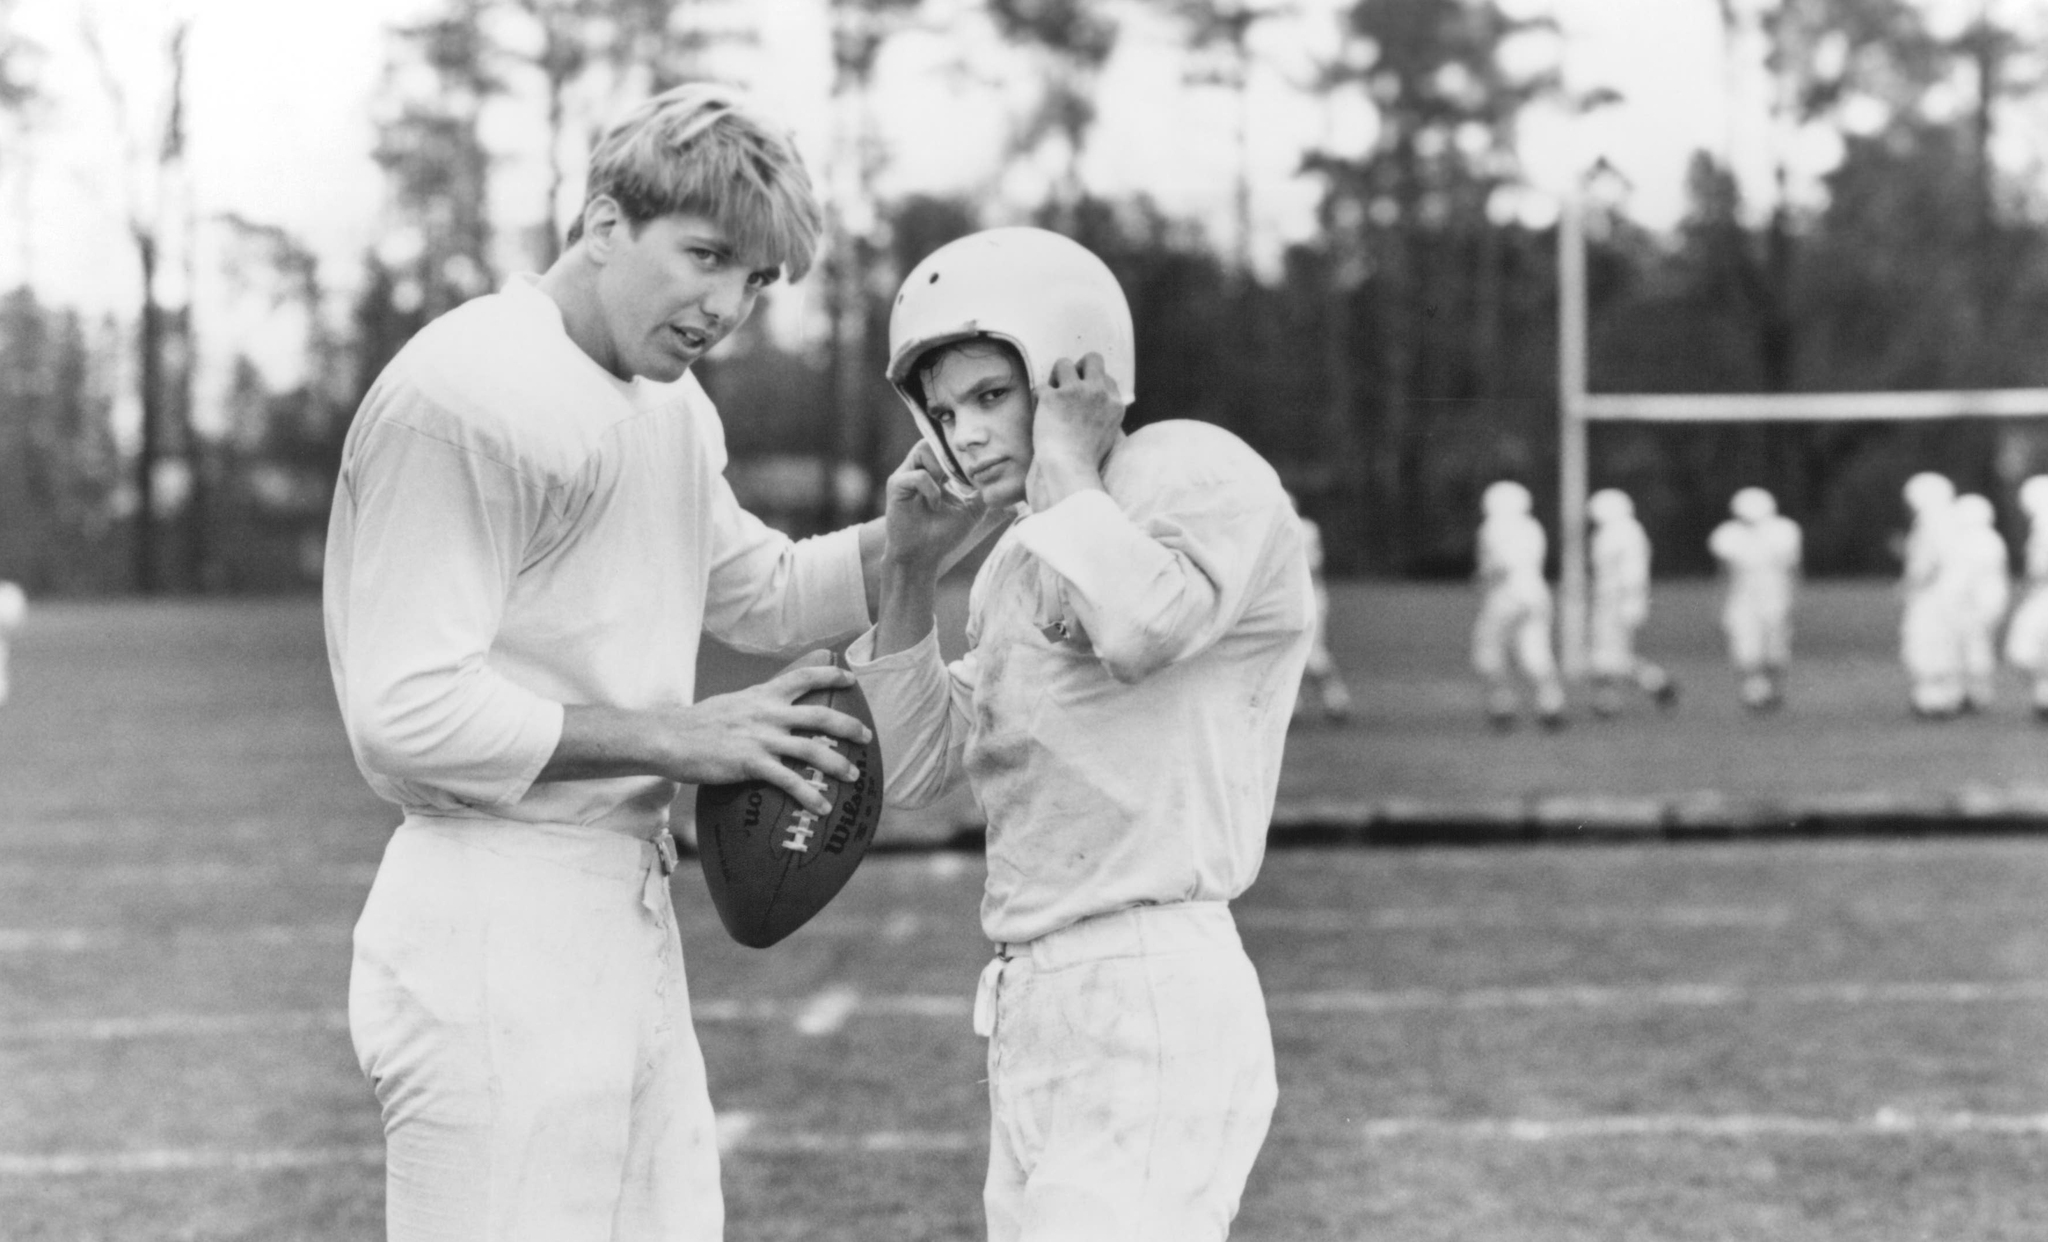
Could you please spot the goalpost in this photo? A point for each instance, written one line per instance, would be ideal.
(1577, 407)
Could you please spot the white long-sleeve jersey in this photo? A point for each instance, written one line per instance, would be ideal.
(1511, 548)
(1619, 556)
(1122, 709)
(1761, 560)
(514, 530)
(1984, 571)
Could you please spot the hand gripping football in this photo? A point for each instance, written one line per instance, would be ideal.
(769, 863)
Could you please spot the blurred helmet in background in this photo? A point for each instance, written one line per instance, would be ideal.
(2034, 495)
(1505, 498)
(1974, 510)
(1610, 504)
(1927, 491)
(1753, 504)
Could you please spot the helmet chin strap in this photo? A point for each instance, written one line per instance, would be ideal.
(992, 523)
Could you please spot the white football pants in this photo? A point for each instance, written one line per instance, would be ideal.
(1759, 635)
(1130, 1078)
(2026, 637)
(518, 1001)
(1931, 637)
(1513, 632)
(1611, 638)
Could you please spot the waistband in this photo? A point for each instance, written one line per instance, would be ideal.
(1173, 928)
(596, 851)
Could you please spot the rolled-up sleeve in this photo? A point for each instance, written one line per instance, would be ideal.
(922, 716)
(435, 534)
(769, 593)
(1153, 591)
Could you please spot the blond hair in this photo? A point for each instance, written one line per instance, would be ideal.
(705, 149)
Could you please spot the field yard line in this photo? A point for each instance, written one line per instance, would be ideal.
(185, 874)
(1452, 918)
(146, 1026)
(743, 1131)
(1884, 1122)
(901, 926)
(1682, 855)
(1682, 995)
(827, 1012)
(185, 1160)
(913, 1005)
(737, 1131)
(872, 1141)
(86, 939)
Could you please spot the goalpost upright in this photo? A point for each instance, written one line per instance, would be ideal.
(1578, 407)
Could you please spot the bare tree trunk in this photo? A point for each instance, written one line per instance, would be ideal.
(149, 351)
(850, 370)
(550, 247)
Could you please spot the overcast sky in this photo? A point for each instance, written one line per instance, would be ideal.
(281, 90)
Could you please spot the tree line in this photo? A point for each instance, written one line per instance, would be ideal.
(1391, 365)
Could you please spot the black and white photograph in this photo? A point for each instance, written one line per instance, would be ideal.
(1023, 620)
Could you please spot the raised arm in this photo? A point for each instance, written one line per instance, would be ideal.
(1165, 585)
(920, 706)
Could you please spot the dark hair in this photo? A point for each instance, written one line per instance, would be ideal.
(973, 346)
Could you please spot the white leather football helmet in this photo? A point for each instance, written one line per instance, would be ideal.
(1609, 504)
(1505, 498)
(2034, 495)
(1047, 296)
(1927, 492)
(1753, 504)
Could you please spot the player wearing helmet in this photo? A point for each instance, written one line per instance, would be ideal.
(2026, 638)
(1984, 567)
(1933, 587)
(1136, 639)
(1619, 556)
(1511, 634)
(1759, 552)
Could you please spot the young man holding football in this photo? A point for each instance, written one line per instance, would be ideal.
(530, 531)
(1137, 635)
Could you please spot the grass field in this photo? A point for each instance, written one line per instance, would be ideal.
(1770, 1039)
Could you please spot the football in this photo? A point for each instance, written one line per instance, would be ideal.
(769, 863)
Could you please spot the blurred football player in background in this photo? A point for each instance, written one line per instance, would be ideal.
(1511, 635)
(1984, 566)
(1137, 638)
(1759, 551)
(2026, 638)
(1933, 590)
(1323, 692)
(1619, 558)
(13, 611)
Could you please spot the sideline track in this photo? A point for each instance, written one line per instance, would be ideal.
(1705, 815)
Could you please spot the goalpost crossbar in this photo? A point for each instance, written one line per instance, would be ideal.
(1579, 407)
(1814, 406)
